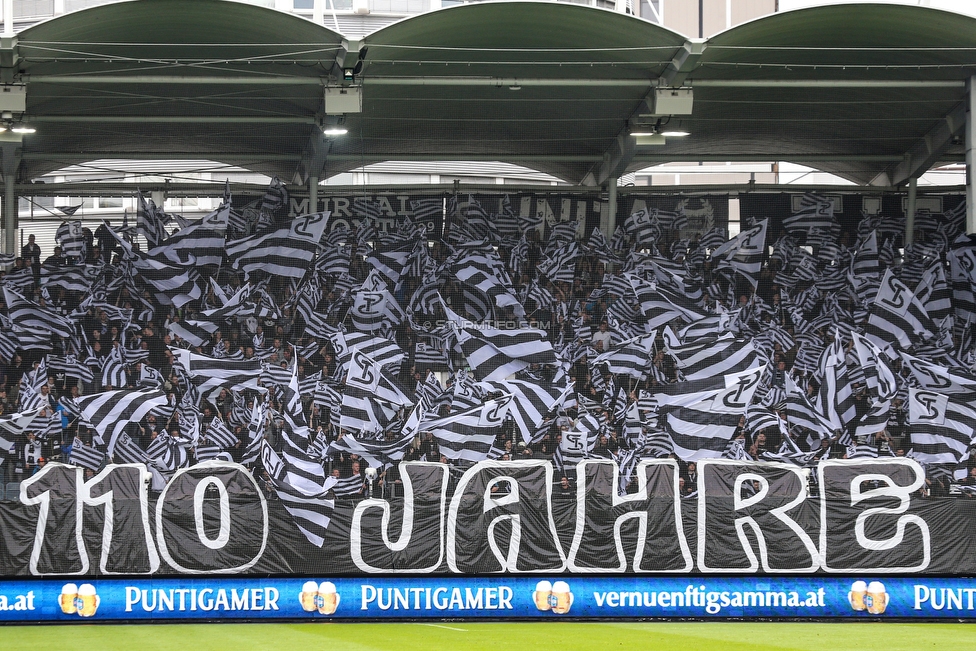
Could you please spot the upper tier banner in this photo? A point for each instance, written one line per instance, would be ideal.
(865, 516)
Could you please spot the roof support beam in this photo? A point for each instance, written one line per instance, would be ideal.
(313, 158)
(240, 80)
(683, 63)
(159, 155)
(825, 83)
(507, 82)
(454, 156)
(614, 161)
(767, 157)
(216, 189)
(926, 151)
(176, 119)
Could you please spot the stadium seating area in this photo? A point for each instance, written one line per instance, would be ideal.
(321, 357)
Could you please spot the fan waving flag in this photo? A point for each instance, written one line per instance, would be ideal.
(496, 354)
(285, 251)
(111, 411)
(897, 316)
(211, 375)
(31, 316)
(13, 427)
(202, 242)
(941, 429)
(310, 505)
(701, 423)
(376, 453)
(745, 251)
(469, 435)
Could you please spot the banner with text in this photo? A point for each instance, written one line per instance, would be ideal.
(324, 598)
(849, 516)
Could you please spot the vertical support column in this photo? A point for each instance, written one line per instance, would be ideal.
(9, 216)
(10, 153)
(970, 160)
(611, 223)
(910, 211)
(8, 17)
(318, 12)
(313, 194)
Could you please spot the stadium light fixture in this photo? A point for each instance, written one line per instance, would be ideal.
(335, 131)
(675, 134)
(21, 127)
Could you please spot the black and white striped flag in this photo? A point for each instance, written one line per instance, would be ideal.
(12, 428)
(712, 356)
(701, 423)
(470, 434)
(111, 411)
(200, 243)
(578, 442)
(941, 429)
(220, 435)
(495, 354)
(149, 221)
(32, 317)
(71, 237)
(285, 251)
(897, 317)
(351, 486)
(531, 401)
(309, 503)
(85, 456)
(210, 375)
(168, 453)
(376, 453)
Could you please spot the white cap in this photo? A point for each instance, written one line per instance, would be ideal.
(69, 588)
(560, 586)
(543, 586)
(327, 587)
(310, 586)
(876, 586)
(859, 586)
(86, 590)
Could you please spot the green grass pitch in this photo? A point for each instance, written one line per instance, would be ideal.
(465, 636)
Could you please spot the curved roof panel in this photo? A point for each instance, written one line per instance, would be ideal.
(173, 77)
(839, 82)
(848, 41)
(507, 80)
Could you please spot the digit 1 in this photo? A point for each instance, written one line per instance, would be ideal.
(123, 491)
(60, 547)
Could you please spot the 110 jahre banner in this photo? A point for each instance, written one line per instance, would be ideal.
(499, 517)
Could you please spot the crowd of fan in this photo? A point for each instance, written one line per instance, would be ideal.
(577, 313)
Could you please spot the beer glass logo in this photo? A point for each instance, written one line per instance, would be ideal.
(82, 601)
(876, 599)
(868, 597)
(542, 594)
(554, 597)
(859, 590)
(69, 592)
(319, 597)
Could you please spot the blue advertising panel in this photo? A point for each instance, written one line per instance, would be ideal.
(485, 597)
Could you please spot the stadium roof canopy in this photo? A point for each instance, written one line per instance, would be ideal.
(874, 93)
